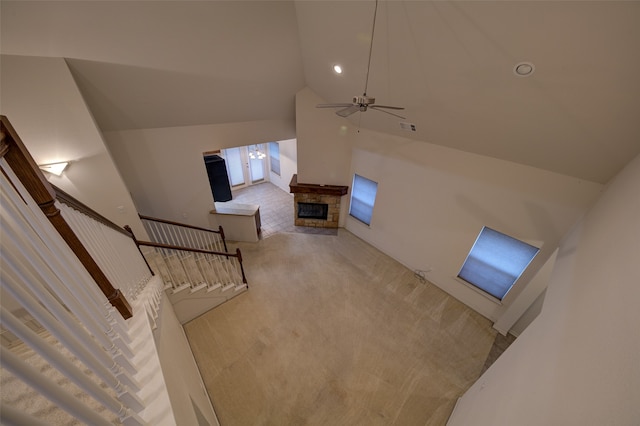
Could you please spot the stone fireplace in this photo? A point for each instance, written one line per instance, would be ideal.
(316, 205)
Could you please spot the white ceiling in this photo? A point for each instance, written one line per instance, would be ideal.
(147, 64)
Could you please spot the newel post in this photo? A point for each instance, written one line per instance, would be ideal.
(224, 241)
(135, 240)
(239, 256)
(26, 169)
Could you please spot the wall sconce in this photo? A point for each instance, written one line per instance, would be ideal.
(54, 168)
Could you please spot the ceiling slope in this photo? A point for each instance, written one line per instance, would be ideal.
(150, 64)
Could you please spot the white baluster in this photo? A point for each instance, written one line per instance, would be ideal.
(11, 416)
(57, 360)
(73, 336)
(50, 390)
(32, 250)
(91, 295)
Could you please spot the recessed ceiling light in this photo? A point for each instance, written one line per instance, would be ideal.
(337, 68)
(524, 69)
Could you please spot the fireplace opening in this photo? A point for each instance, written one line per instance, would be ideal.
(312, 211)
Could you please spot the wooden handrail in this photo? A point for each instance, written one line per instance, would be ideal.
(63, 197)
(172, 247)
(27, 171)
(170, 222)
(184, 225)
(237, 255)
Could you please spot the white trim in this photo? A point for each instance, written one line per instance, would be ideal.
(453, 411)
(478, 290)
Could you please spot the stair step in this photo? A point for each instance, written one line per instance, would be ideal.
(181, 288)
(214, 287)
(228, 287)
(199, 287)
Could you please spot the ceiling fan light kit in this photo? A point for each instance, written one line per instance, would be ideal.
(364, 102)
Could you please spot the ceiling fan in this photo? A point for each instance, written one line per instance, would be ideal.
(364, 102)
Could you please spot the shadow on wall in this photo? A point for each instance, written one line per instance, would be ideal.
(92, 180)
(131, 91)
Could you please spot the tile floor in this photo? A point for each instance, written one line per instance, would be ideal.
(276, 209)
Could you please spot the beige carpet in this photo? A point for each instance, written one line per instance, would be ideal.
(332, 332)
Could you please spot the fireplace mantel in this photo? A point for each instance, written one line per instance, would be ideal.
(310, 193)
(313, 188)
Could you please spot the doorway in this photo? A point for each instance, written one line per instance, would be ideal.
(246, 165)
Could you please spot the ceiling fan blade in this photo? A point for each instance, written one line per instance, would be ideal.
(348, 111)
(387, 106)
(387, 112)
(342, 105)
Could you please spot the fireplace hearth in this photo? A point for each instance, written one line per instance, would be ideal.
(316, 205)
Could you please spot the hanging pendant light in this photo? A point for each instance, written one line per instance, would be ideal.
(255, 153)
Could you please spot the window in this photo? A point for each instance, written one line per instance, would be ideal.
(274, 156)
(363, 197)
(496, 261)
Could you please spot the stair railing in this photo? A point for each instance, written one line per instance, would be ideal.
(111, 246)
(26, 171)
(45, 272)
(183, 235)
(193, 268)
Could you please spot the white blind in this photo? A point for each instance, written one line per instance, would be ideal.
(363, 197)
(496, 261)
(234, 166)
(274, 154)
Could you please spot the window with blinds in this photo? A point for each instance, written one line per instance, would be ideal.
(496, 261)
(274, 157)
(363, 197)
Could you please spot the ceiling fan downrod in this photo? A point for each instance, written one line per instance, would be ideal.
(362, 103)
(373, 31)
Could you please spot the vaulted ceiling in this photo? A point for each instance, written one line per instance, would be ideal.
(149, 64)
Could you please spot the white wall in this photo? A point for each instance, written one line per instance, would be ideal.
(578, 362)
(325, 153)
(526, 307)
(181, 374)
(164, 168)
(433, 201)
(288, 164)
(529, 315)
(44, 105)
(324, 145)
